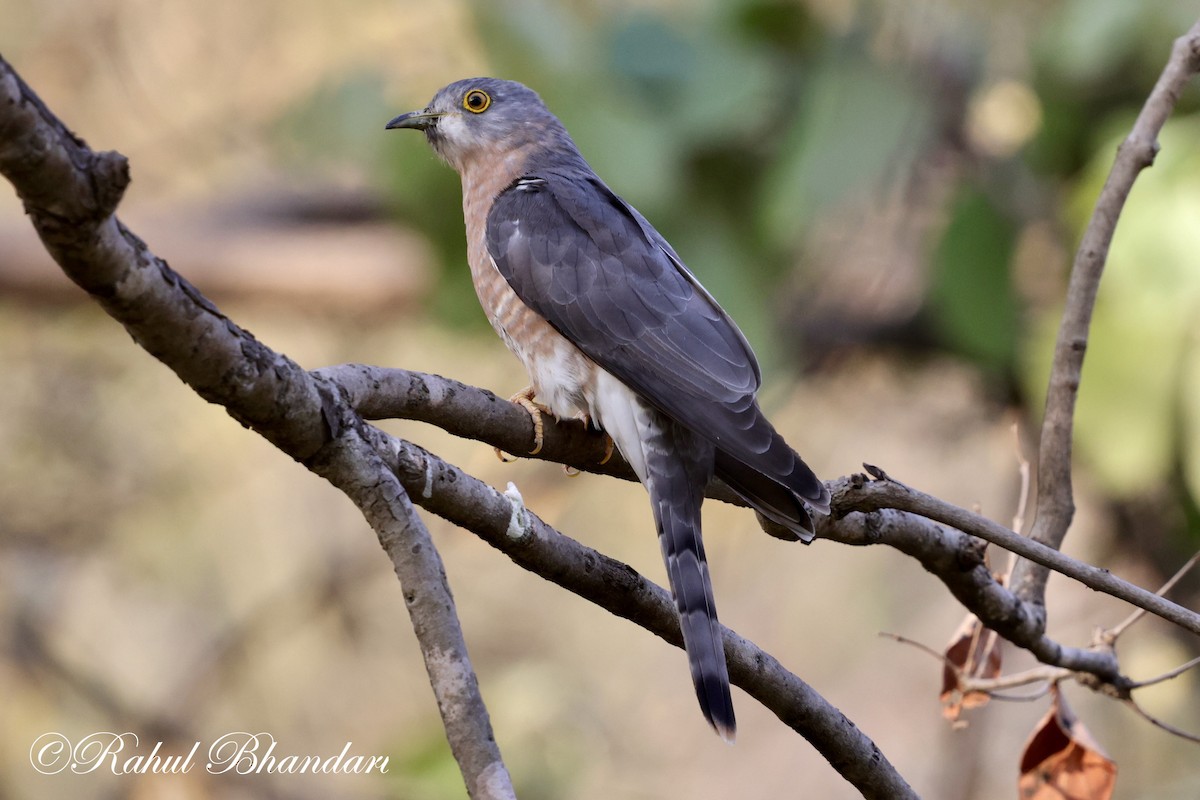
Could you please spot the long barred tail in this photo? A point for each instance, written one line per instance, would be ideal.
(678, 466)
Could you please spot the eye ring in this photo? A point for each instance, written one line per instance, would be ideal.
(477, 101)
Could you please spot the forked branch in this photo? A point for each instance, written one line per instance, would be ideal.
(70, 193)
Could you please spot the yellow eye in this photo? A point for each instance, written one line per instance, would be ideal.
(477, 101)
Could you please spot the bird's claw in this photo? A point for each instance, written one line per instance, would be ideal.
(586, 419)
(524, 399)
(608, 448)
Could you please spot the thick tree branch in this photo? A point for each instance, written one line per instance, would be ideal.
(474, 413)
(307, 417)
(381, 392)
(863, 495)
(352, 465)
(70, 193)
(865, 512)
(502, 520)
(1055, 503)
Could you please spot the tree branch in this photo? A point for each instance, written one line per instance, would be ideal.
(502, 520)
(70, 194)
(317, 418)
(1055, 503)
(470, 412)
(862, 495)
(865, 512)
(352, 465)
(308, 417)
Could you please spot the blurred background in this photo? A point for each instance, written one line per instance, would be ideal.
(886, 196)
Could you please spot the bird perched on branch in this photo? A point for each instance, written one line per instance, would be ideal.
(613, 328)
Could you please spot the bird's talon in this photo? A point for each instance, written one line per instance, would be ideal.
(571, 471)
(524, 399)
(608, 449)
(504, 457)
(586, 419)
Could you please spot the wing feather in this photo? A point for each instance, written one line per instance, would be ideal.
(642, 302)
(593, 267)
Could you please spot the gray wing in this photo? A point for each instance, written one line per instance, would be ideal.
(588, 263)
(578, 258)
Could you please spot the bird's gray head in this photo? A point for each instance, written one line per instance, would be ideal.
(485, 117)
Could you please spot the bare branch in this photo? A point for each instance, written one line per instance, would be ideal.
(864, 495)
(924, 648)
(1112, 634)
(1158, 723)
(353, 466)
(472, 413)
(955, 558)
(1055, 502)
(503, 522)
(69, 193)
(383, 393)
(1166, 676)
(1043, 674)
(307, 416)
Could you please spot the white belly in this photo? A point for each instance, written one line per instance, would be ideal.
(559, 372)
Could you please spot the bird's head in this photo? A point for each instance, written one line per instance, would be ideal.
(483, 117)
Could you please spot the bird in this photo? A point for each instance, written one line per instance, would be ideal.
(612, 328)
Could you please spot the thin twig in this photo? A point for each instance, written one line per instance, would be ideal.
(1158, 723)
(924, 648)
(1166, 676)
(1112, 634)
(968, 683)
(1018, 523)
(1055, 503)
(1042, 674)
(1023, 698)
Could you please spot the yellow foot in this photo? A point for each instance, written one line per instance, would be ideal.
(586, 419)
(524, 399)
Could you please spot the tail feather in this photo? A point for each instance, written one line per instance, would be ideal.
(678, 467)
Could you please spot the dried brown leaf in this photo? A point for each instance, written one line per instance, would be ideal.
(973, 652)
(1062, 761)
